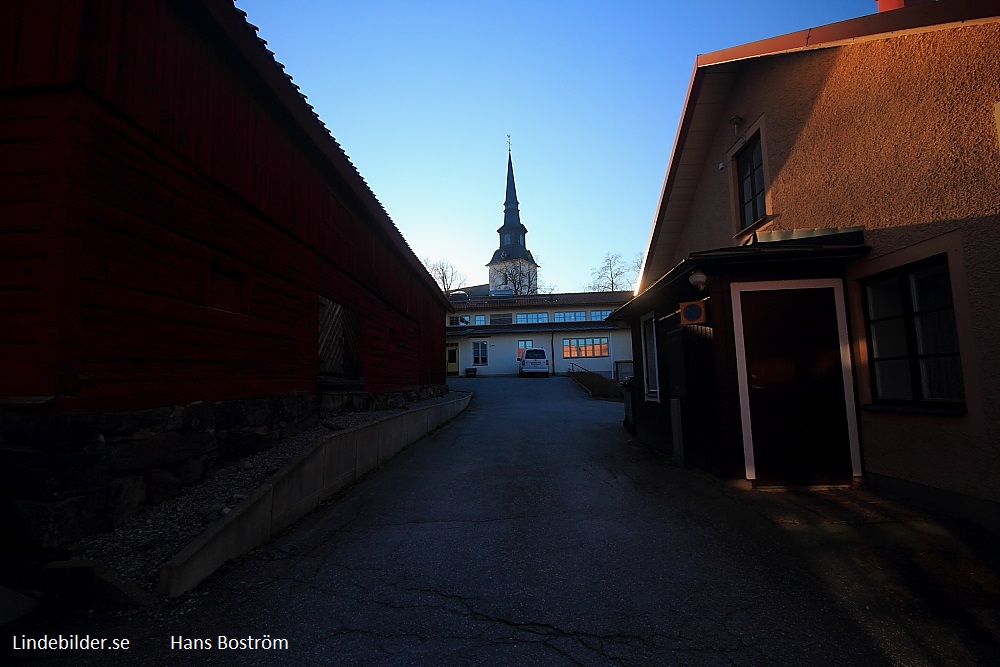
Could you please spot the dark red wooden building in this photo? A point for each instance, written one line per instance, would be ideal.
(177, 226)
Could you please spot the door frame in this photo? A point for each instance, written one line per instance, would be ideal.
(458, 358)
(736, 290)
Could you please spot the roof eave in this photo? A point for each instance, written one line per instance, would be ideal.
(919, 18)
(739, 256)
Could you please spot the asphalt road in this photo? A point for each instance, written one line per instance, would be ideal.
(532, 530)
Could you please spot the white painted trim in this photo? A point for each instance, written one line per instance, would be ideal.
(649, 396)
(736, 289)
(741, 378)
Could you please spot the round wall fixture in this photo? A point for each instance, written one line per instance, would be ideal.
(693, 312)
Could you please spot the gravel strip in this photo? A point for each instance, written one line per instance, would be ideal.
(138, 548)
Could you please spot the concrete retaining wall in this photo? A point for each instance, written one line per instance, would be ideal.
(298, 488)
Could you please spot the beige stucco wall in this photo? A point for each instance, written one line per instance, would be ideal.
(884, 134)
(898, 136)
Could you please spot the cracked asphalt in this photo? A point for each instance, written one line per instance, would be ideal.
(533, 530)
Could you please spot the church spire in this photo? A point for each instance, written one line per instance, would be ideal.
(513, 258)
(511, 215)
(512, 231)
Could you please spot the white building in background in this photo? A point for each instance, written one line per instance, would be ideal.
(493, 322)
(486, 333)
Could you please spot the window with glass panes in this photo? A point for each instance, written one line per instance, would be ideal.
(479, 320)
(532, 318)
(571, 316)
(480, 355)
(750, 182)
(585, 347)
(910, 317)
(599, 314)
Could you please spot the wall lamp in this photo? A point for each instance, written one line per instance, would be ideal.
(736, 121)
(698, 279)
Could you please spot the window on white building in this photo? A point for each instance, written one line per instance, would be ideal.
(480, 354)
(585, 347)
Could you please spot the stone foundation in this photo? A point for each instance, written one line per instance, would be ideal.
(66, 476)
(334, 403)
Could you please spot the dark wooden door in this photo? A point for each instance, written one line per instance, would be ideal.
(795, 387)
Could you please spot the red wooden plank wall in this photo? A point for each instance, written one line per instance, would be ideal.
(180, 172)
(33, 245)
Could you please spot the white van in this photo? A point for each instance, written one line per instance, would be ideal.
(533, 360)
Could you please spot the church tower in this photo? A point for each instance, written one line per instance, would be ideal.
(512, 267)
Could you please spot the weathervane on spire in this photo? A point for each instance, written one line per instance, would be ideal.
(508, 143)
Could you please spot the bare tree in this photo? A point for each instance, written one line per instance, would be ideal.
(614, 273)
(542, 286)
(444, 273)
(545, 288)
(635, 267)
(520, 276)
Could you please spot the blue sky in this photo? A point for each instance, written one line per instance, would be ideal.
(422, 95)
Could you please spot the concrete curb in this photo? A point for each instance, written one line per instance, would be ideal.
(313, 476)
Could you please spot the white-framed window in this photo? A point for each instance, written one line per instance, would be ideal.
(574, 348)
(571, 316)
(532, 318)
(522, 344)
(649, 365)
(599, 315)
(458, 321)
(480, 353)
(479, 320)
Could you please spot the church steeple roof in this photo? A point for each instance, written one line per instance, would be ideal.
(512, 231)
(511, 213)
